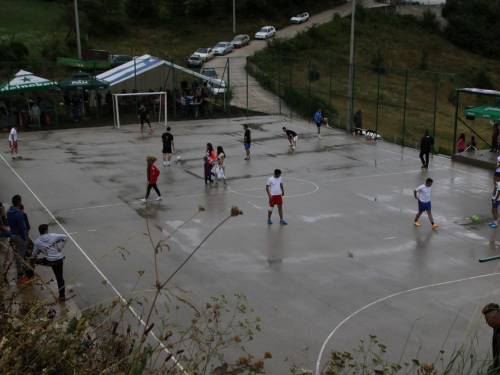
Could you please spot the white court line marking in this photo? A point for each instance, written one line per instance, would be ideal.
(37, 143)
(92, 230)
(94, 265)
(263, 188)
(89, 208)
(392, 295)
(389, 238)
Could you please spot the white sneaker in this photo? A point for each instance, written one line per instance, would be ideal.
(159, 198)
(143, 200)
(164, 163)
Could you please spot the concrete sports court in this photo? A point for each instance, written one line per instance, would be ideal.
(349, 263)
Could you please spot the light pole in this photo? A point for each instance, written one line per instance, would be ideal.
(78, 31)
(351, 70)
(234, 16)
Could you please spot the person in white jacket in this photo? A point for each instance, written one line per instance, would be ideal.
(51, 245)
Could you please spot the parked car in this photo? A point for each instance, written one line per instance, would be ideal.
(266, 32)
(195, 61)
(209, 72)
(300, 17)
(240, 41)
(205, 53)
(216, 87)
(223, 47)
(117, 60)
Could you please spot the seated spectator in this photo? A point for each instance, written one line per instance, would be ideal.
(472, 144)
(461, 143)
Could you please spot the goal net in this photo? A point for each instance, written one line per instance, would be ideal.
(126, 108)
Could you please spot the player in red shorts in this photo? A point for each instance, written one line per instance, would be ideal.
(13, 143)
(275, 191)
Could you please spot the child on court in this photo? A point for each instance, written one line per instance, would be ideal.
(207, 170)
(423, 194)
(495, 199)
(13, 143)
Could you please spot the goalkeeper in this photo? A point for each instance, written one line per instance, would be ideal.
(144, 116)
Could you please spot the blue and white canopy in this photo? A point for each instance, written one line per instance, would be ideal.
(130, 69)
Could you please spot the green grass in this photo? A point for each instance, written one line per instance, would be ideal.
(27, 18)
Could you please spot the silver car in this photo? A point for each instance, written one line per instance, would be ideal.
(223, 47)
(195, 61)
(240, 41)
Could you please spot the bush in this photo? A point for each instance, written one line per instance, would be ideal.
(481, 80)
(377, 61)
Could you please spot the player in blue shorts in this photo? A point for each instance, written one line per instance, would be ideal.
(423, 194)
(495, 199)
(247, 141)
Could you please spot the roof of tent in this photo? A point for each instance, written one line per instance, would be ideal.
(25, 81)
(141, 65)
(480, 91)
(490, 112)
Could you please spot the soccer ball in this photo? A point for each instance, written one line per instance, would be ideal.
(475, 218)
(179, 158)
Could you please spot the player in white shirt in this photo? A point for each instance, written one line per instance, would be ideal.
(275, 192)
(13, 143)
(495, 199)
(423, 194)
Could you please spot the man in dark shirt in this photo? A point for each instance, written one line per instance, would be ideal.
(292, 138)
(168, 145)
(76, 101)
(247, 140)
(144, 116)
(18, 233)
(492, 316)
(425, 148)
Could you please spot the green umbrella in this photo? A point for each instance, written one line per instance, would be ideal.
(490, 112)
(25, 81)
(83, 81)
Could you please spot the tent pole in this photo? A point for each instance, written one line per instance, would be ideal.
(54, 101)
(456, 117)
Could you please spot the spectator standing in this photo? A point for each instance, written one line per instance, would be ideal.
(425, 148)
(109, 100)
(184, 104)
(494, 138)
(275, 192)
(18, 233)
(190, 102)
(13, 143)
(67, 104)
(461, 143)
(35, 114)
(51, 246)
(4, 223)
(16, 108)
(495, 196)
(86, 103)
(168, 146)
(76, 101)
(211, 156)
(144, 116)
(5, 115)
(358, 122)
(152, 175)
(41, 104)
(423, 195)
(319, 119)
(247, 140)
(491, 314)
(98, 101)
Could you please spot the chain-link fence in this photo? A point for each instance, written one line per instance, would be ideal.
(397, 104)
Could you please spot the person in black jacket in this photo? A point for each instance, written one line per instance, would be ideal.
(492, 316)
(425, 148)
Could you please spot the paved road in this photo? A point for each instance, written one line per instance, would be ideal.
(258, 98)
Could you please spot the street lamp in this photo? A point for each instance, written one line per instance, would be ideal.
(351, 71)
(78, 31)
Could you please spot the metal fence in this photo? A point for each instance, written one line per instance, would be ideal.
(397, 104)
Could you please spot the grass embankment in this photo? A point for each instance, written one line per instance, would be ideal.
(402, 42)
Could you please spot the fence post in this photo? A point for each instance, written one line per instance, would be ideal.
(174, 90)
(404, 110)
(378, 102)
(352, 93)
(435, 111)
(456, 118)
(229, 90)
(330, 99)
(246, 76)
(291, 88)
(279, 83)
(56, 106)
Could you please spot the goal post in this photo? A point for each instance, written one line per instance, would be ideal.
(126, 106)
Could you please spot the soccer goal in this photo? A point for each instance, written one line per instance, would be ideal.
(126, 107)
